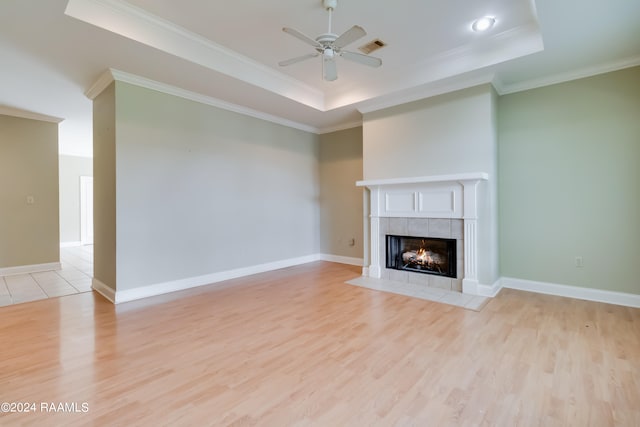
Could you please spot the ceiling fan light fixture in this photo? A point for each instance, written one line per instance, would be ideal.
(483, 24)
(328, 53)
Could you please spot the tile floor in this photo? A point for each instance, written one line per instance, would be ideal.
(471, 302)
(74, 277)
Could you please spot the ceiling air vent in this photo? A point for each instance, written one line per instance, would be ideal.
(372, 46)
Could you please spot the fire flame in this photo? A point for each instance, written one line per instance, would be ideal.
(423, 257)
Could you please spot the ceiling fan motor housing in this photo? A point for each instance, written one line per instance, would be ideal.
(326, 39)
(330, 4)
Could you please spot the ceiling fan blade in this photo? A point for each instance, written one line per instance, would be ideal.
(361, 59)
(297, 59)
(349, 36)
(305, 38)
(329, 69)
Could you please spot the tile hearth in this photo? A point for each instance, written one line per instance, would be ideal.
(458, 299)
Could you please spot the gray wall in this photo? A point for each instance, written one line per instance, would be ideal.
(340, 200)
(446, 134)
(202, 190)
(570, 182)
(71, 169)
(29, 233)
(568, 179)
(104, 187)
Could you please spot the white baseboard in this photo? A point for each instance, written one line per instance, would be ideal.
(70, 244)
(470, 286)
(490, 290)
(193, 282)
(26, 269)
(116, 297)
(589, 294)
(342, 259)
(103, 290)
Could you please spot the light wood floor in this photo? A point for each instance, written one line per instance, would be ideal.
(300, 347)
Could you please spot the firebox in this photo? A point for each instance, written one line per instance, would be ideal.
(427, 255)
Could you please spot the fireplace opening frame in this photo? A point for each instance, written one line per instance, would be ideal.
(397, 247)
(453, 196)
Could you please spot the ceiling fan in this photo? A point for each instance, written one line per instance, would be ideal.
(330, 46)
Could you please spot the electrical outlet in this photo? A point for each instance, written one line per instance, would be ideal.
(579, 262)
(30, 200)
(352, 242)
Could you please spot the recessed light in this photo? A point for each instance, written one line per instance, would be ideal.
(483, 24)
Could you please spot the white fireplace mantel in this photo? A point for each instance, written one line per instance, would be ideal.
(475, 176)
(436, 196)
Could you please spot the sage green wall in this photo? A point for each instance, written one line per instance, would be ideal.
(446, 134)
(104, 187)
(569, 157)
(29, 233)
(202, 190)
(340, 199)
(71, 169)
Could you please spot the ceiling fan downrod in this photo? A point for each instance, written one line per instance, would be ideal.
(330, 5)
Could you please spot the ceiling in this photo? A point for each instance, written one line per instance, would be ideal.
(226, 53)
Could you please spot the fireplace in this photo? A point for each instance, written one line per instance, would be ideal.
(426, 255)
(438, 206)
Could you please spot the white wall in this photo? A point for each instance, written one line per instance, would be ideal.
(201, 190)
(71, 169)
(447, 134)
(452, 133)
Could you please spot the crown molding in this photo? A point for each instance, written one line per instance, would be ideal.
(434, 75)
(505, 89)
(427, 91)
(337, 128)
(100, 85)
(526, 38)
(442, 87)
(463, 65)
(112, 75)
(137, 24)
(25, 114)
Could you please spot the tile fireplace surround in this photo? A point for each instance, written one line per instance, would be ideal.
(432, 206)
